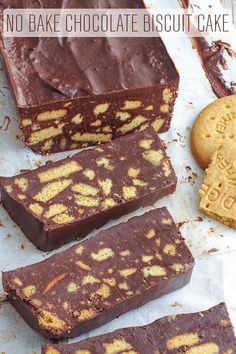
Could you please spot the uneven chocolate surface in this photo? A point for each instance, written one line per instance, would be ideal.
(97, 280)
(78, 92)
(208, 332)
(212, 57)
(65, 200)
(213, 61)
(47, 69)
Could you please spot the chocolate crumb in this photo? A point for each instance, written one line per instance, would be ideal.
(192, 178)
(199, 218)
(176, 304)
(181, 223)
(24, 170)
(212, 250)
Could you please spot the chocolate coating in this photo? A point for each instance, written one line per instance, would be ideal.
(74, 76)
(194, 333)
(49, 69)
(64, 200)
(103, 277)
(213, 61)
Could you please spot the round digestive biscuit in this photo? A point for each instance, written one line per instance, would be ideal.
(215, 123)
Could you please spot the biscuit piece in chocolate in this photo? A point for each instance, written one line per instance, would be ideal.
(75, 92)
(65, 200)
(218, 192)
(103, 277)
(208, 332)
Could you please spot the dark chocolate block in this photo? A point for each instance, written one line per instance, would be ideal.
(63, 201)
(208, 332)
(76, 92)
(103, 277)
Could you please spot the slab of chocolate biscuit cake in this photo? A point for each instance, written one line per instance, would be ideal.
(75, 92)
(208, 332)
(103, 277)
(65, 200)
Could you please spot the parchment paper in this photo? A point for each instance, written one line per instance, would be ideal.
(213, 245)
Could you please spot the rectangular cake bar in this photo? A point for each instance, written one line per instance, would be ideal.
(75, 92)
(95, 281)
(208, 332)
(65, 200)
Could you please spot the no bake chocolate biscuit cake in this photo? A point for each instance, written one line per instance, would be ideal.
(75, 92)
(103, 277)
(65, 200)
(208, 332)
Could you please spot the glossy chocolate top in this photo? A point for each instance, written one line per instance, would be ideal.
(115, 266)
(94, 181)
(48, 69)
(207, 332)
(213, 61)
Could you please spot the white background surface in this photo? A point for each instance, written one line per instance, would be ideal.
(214, 277)
(230, 4)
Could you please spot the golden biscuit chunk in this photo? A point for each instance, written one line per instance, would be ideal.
(218, 192)
(215, 124)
